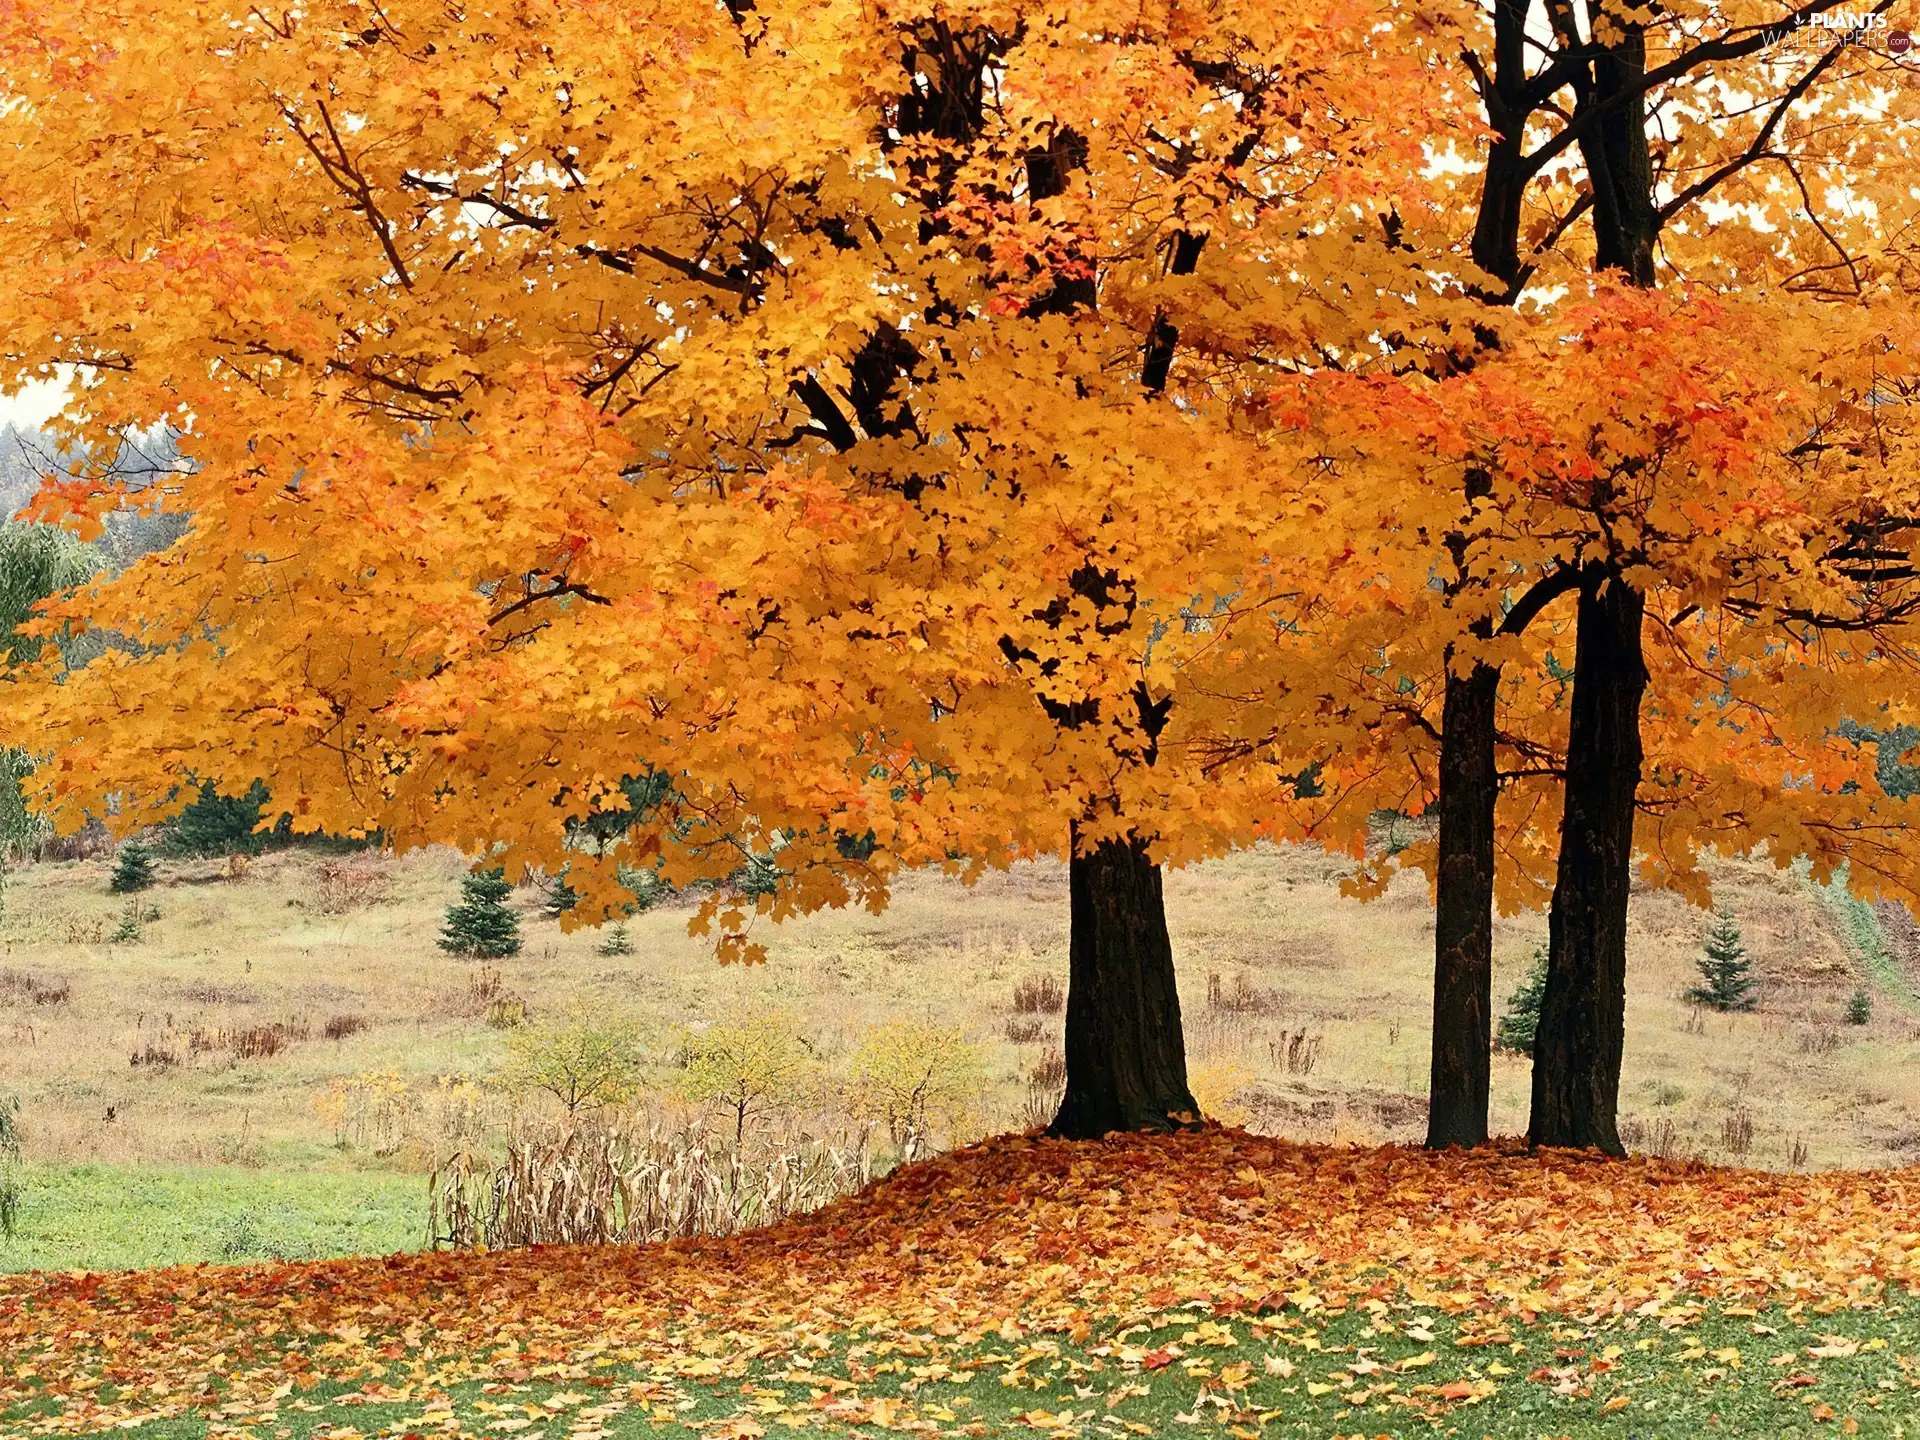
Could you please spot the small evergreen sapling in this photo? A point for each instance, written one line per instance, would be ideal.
(1860, 1007)
(1725, 972)
(1522, 1019)
(133, 870)
(615, 942)
(481, 926)
(561, 897)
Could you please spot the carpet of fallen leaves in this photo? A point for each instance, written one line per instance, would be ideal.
(1014, 1238)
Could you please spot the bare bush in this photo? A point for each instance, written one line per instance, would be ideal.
(505, 1012)
(154, 1055)
(1039, 995)
(1242, 997)
(24, 987)
(1661, 1137)
(1295, 1051)
(84, 929)
(256, 1042)
(1025, 1029)
(339, 1027)
(340, 886)
(596, 1183)
(1821, 1040)
(469, 1000)
(1736, 1131)
(249, 1042)
(1046, 1087)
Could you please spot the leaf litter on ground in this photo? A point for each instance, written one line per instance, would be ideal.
(1211, 1279)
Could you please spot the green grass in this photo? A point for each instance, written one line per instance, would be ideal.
(1374, 1371)
(1868, 941)
(98, 1217)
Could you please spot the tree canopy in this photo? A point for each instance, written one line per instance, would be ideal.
(949, 433)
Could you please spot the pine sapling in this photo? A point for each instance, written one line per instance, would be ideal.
(1521, 1021)
(1726, 975)
(132, 871)
(481, 925)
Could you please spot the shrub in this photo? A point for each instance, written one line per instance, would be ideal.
(1726, 975)
(341, 1026)
(648, 888)
(748, 1066)
(758, 877)
(1295, 1051)
(128, 930)
(1024, 1029)
(586, 1062)
(593, 1183)
(1243, 997)
(1039, 995)
(915, 1076)
(23, 987)
(1736, 1131)
(257, 1042)
(1215, 1084)
(505, 1012)
(154, 1055)
(1859, 1007)
(132, 871)
(1046, 1087)
(371, 1109)
(481, 925)
(1521, 1022)
(340, 887)
(615, 943)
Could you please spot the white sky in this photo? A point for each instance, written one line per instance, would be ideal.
(33, 405)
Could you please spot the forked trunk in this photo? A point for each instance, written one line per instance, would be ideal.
(1577, 1049)
(1126, 1055)
(1463, 916)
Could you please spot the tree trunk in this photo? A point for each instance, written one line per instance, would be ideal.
(1126, 1055)
(1577, 1050)
(1463, 918)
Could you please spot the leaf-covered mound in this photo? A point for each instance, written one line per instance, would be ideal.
(1007, 1242)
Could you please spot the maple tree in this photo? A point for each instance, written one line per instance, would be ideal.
(1601, 446)
(1712, 499)
(844, 413)
(827, 440)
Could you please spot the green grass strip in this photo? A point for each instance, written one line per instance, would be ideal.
(1385, 1369)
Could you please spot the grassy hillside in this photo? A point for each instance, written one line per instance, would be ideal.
(1218, 1284)
(139, 1063)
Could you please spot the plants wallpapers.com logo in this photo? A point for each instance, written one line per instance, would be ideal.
(1846, 27)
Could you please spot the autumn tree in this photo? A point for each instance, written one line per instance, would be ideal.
(848, 410)
(1573, 164)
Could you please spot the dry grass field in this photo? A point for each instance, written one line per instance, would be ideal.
(1306, 1012)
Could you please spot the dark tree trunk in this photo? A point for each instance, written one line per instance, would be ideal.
(1463, 918)
(1577, 1049)
(1469, 782)
(1126, 1055)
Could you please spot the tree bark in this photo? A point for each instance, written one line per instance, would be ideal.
(1126, 1054)
(1463, 917)
(1578, 1047)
